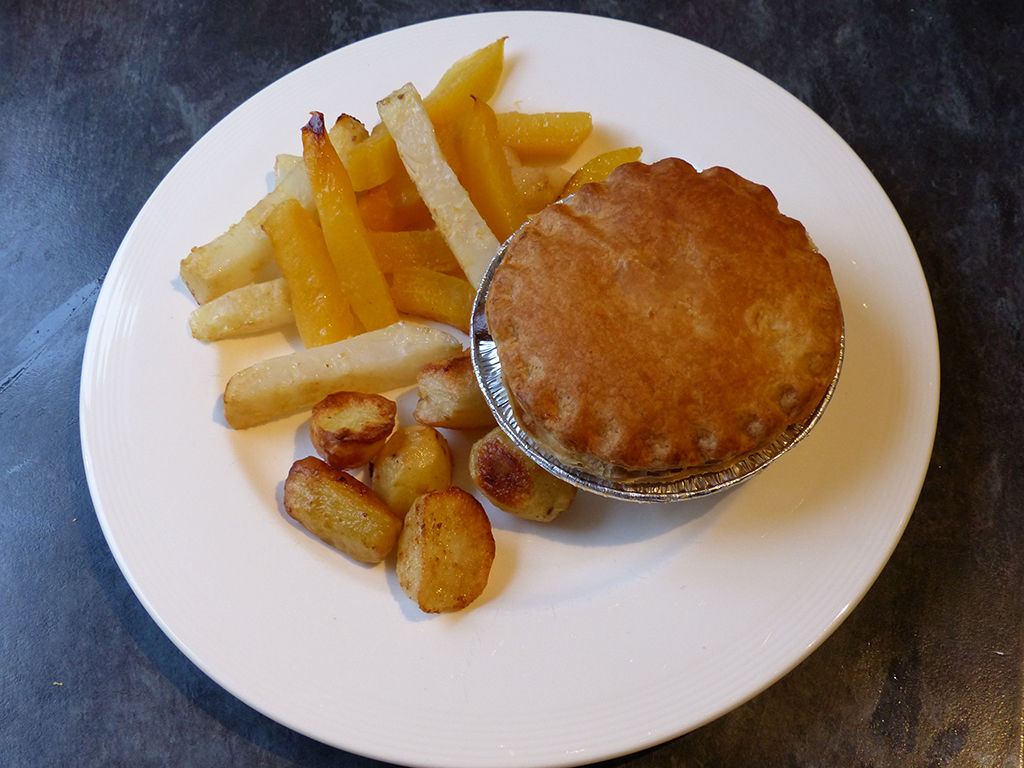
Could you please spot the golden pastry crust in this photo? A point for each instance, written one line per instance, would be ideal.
(664, 320)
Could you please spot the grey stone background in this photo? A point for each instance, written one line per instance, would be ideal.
(99, 99)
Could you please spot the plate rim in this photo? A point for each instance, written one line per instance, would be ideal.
(106, 297)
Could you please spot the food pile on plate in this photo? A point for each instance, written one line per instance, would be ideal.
(658, 320)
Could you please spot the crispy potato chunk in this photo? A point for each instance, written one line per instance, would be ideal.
(415, 460)
(450, 397)
(349, 428)
(514, 483)
(375, 361)
(340, 510)
(445, 551)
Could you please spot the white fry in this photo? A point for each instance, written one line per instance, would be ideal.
(376, 361)
(252, 308)
(466, 233)
(243, 253)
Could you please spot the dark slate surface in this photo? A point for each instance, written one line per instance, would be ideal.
(98, 100)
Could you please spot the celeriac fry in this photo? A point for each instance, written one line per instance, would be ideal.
(465, 231)
(484, 171)
(375, 160)
(283, 165)
(361, 279)
(413, 248)
(598, 168)
(375, 361)
(433, 295)
(544, 136)
(252, 308)
(322, 313)
(242, 253)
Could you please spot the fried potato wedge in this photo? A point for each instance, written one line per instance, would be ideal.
(415, 460)
(450, 397)
(322, 312)
(465, 231)
(598, 168)
(514, 483)
(375, 361)
(445, 551)
(341, 511)
(361, 279)
(243, 253)
(433, 295)
(253, 308)
(348, 429)
(544, 136)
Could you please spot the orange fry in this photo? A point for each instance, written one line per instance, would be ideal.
(544, 136)
(432, 295)
(598, 168)
(360, 277)
(321, 311)
(413, 248)
(375, 160)
(485, 173)
(394, 205)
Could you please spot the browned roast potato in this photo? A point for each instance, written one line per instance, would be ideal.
(450, 397)
(349, 428)
(340, 510)
(513, 481)
(445, 551)
(415, 460)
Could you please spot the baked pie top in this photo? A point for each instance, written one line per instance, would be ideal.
(664, 320)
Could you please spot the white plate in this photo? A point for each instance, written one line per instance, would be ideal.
(618, 626)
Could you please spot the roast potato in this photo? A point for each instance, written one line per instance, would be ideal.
(514, 483)
(450, 397)
(445, 551)
(415, 460)
(347, 429)
(340, 510)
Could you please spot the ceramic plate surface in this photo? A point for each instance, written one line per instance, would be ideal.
(619, 625)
